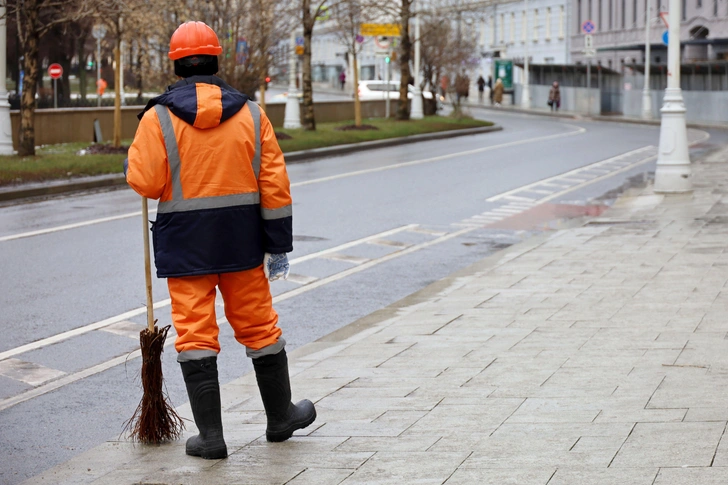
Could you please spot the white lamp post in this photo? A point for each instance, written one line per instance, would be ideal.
(6, 130)
(646, 94)
(417, 113)
(673, 174)
(292, 117)
(526, 96)
(98, 33)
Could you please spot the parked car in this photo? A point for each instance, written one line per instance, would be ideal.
(372, 90)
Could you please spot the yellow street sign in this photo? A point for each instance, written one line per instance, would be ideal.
(299, 50)
(387, 30)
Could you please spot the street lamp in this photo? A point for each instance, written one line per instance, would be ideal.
(646, 94)
(673, 174)
(526, 96)
(292, 117)
(417, 113)
(6, 131)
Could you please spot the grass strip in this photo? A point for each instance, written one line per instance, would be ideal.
(56, 162)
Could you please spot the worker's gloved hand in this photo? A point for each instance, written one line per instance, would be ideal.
(126, 166)
(276, 266)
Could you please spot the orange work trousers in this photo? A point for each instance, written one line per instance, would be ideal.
(248, 308)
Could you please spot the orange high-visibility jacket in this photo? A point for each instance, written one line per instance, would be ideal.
(212, 159)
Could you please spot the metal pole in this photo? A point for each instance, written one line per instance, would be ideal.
(55, 93)
(646, 94)
(526, 96)
(673, 174)
(98, 71)
(417, 113)
(121, 74)
(588, 87)
(6, 137)
(292, 117)
(387, 76)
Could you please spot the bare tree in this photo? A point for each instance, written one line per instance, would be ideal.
(309, 17)
(34, 19)
(349, 15)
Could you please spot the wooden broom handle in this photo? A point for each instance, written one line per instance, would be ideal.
(147, 264)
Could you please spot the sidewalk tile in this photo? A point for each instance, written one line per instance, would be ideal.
(386, 468)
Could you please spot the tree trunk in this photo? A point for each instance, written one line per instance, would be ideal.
(82, 78)
(26, 146)
(117, 93)
(309, 120)
(357, 102)
(405, 49)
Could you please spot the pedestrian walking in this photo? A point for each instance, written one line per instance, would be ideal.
(481, 88)
(490, 89)
(224, 220)
(342, 79)
(462, 85)
(498, 92)
(554, 97)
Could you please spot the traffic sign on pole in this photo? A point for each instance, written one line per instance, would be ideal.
(588, 27)
(55, 71)
(588, 41)
(386, 30)
(666, 37)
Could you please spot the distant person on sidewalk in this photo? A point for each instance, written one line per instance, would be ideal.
(490, 89)
(342, 79)
(554, 97)
(481, 89)
(462, 86)
(498, 92)
(224, 221)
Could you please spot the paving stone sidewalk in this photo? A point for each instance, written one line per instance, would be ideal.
(593, 355)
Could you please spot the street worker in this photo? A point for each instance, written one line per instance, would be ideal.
(209, 154)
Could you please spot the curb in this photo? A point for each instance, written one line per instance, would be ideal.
(115, 180)
(606, 119)
(315, 153)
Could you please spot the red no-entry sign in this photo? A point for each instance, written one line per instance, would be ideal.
(55, 71)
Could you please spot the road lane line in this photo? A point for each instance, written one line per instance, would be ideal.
(97, 369)
(509, 194)
(54, 339)
(577, 131)
(66, 227)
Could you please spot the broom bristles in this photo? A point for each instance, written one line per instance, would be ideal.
(155, 421)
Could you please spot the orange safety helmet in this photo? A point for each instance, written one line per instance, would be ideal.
(194, 39)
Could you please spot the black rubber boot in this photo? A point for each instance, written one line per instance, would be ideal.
(284, 417)
(203, 390)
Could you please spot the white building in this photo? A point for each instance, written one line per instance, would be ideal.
(515, 30)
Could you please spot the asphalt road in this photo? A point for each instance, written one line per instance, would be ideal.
(370, 229)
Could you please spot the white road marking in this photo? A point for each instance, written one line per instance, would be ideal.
(77, 376)
(28, 372)
(346, 258)
(125, 329)
(509, 194)
(388, 242)
(577, 131)
(164, 303)
(300, 279)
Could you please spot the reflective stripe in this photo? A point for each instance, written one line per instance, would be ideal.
(269, 214)
(170, 142)
(271, 349)
(178, 202)
(188, 355)
(217, 202)
(255, 113)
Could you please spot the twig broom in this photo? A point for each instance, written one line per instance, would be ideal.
(155, 420)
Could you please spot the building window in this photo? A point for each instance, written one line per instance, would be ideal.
(590, 11)
(579, 17)
(684, 7)
(611, 11)
(561, 22)
(548, 23)
(700, 3)
(524, 26)
(535, 25)
(715, 8)
(624, 13)
(501, 29)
